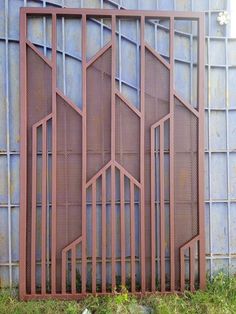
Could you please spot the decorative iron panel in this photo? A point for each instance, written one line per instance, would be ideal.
(112, 191)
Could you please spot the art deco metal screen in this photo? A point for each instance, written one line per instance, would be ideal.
(111, 190)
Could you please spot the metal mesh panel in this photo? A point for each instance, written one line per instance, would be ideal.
(127, 138)
(39, 106)
(156, 107)
(156, 89)
(98, 114)
(69, 178)
(39, 88)
(186, 168)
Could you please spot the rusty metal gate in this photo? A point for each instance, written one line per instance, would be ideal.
(112, 191)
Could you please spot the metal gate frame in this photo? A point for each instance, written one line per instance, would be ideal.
(198, 240)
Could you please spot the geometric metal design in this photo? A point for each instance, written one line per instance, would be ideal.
(111, 193)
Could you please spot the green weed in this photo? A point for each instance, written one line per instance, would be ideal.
(219, 298)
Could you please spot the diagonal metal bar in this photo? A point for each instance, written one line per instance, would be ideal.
(98, 54)
(158, 56)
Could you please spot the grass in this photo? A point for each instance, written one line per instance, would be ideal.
(219, 298)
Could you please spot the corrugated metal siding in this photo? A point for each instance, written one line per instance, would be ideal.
(220, 115)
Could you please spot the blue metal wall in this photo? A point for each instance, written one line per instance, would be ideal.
(220, 104)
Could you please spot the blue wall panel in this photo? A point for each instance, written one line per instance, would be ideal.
(220, 104)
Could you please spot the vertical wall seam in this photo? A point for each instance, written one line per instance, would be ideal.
(228, 156)
(209, 137)
(8, 142)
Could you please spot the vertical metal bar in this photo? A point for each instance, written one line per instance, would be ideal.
(182, 270)
(44, 208)
(104, 229)
(8, 144)
(192, 266)
(113, 209)
(113, 86)
(47, 203)
(122, 227)
(54, 154)
(63, 55)
(113, 228)
(48, 248)
(162, 209)
(157, 202)
(23, 155)
(84, 154)
(65, 122)
(64, 261)
(48, 206)
(153, 213)
(73, 269)
(191, 68)
(94, 237)
(193, 179)
(137, 63)
(63, 271)
(201, 28)
(142, 174)
(132, 236)
(34, 204)
(119, 56)
(44, 32)
(172, 206)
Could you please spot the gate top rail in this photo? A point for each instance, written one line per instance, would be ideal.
(111, 12)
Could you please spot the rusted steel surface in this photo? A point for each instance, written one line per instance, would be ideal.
(120, 185)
